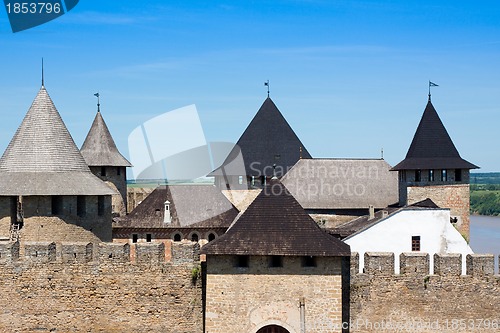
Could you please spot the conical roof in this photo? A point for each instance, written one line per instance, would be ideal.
(99, 148)
(432, 147)
(268, 140)
(42, 158)
(276, 224)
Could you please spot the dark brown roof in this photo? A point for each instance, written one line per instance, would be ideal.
(432, 147)
(99, 148)
(363, 222)
(276, 224)
(200, 206)
(267, 140)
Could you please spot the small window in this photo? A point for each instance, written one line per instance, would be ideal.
(177, 237)
(103, 171)
(242, 261)
(402, 175)
(195, 237)
(308, 261)
(148, 238)
(135, 237)
(253, 180)
(275, 261)
(458, 175)
(100, 205)
(415, 243)
(240, 180)
(211, 236)
(431, 175)
(81, 205)
(418, 175)
(118, 171)
(444, 176)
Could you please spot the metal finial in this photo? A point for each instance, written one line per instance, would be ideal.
(267, 85)
(382, 153)
(42, 74)
(274, 171)
(98, 102)
(431, 84)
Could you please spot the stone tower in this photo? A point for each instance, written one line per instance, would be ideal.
(105, 161)
(47, 192)
(434, 169)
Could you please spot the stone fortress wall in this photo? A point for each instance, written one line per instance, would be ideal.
(85, 287)
(72, 287)
(417, 301)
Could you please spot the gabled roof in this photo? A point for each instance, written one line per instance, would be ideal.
(42, 158)
(268, 140)
(276, 224)
(361, 223)
(201, 206)
(99, 148)
(432, 147)
(342, 183)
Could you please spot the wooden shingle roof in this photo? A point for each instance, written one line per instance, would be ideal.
(267, 140)
(201, 206)
(432, 147)
(276, 224)
(99, 148)
(42, 158)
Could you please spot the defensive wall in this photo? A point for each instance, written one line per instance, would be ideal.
(417, 301)
(81, 287)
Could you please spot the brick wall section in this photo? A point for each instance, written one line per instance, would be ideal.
(246, 299)
(438, 303)
(102, 295)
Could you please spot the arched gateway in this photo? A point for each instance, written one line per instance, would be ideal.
(273, 329)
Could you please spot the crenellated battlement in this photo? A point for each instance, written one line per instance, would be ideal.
(101, 253)
(418, 264)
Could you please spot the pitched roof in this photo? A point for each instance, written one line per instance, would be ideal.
(202, 206)
(99, 148)
(432, 147)
(42, 158)
(276, 224)
(364, 222)
(267, 140)
(342, 183)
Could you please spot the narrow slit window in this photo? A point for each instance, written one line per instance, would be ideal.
(458, 175)
(431, 175)
(100, 205)
(135, 237)
(81, 208)
(418, 175)
(149, 237)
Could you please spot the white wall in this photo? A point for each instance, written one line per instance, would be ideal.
(393, 234)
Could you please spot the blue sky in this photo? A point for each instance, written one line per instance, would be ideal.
(349, 76)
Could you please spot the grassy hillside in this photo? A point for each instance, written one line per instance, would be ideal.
(485, 199)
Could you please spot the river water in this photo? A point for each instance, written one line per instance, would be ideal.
(485, 235)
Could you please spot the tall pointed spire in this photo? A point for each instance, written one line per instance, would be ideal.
(43, 84)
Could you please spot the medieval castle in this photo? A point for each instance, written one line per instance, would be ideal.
(292, 244)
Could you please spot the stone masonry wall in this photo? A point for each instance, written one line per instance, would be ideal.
(416, 301)
(86, 291)
(247, 299)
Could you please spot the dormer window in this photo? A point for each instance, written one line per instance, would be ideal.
(167, 218)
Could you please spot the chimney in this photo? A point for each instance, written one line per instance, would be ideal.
(371, 211)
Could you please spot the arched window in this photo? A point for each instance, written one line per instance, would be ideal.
(195, 237)
(211, 236)
(177, 237)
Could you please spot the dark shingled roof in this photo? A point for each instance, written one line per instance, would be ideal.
(267, 136)
(201, 206)
(99, 148)
(42, 158)
(276, 224)
(432, 147)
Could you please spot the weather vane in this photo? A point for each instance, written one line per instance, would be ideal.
(98, 102)
(267, 85)
(431, 84)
